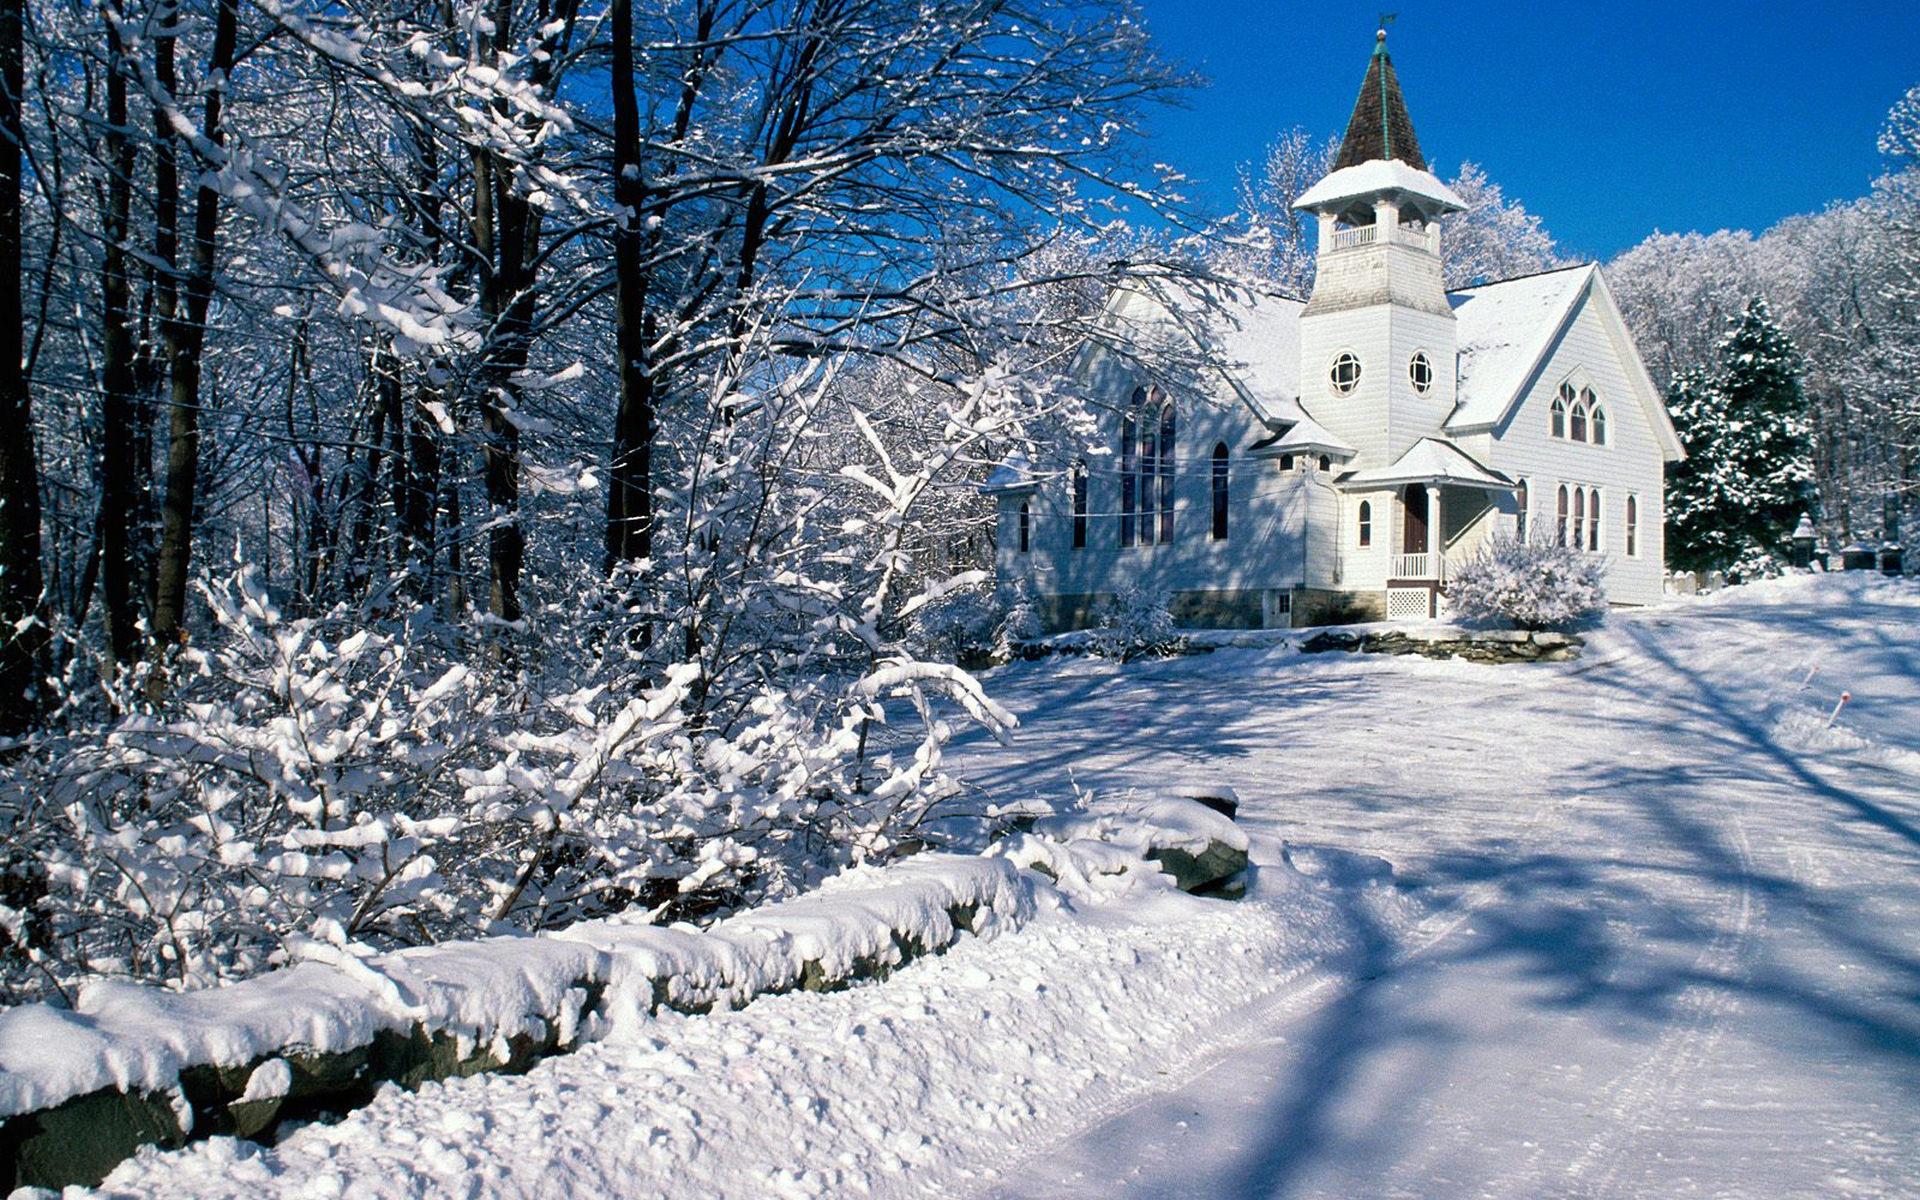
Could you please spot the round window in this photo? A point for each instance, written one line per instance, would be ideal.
(1345, 375)
(1420, 372)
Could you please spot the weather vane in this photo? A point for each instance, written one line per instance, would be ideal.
(1386, 19)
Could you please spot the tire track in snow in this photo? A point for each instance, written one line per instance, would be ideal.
(1300, 996)
(1646, 1098)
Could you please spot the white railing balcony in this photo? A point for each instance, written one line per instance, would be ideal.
(1420, 566)
(1363, 235)
(1427, 239)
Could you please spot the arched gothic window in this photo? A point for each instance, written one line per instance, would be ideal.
(1147, 437)
(1580, 421)
(1129, 465)
(1166, 460)
(1026, 527)
(1220, 492)
(1366, 522)
(1560, 411)
(1599, 425)
(1520, 511)
(1633, 527)
(1579, 518)
(1560, 523)
(1593, 519)
(1079, 506)
(1326, 464)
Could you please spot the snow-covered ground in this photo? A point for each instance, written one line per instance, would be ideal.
(1652, 929)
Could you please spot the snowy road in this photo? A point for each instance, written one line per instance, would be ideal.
(1653, 930)
(1686, 957)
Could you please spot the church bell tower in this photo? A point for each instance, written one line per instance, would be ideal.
(1378, 346)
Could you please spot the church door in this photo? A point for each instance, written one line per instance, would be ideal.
(1415, 541)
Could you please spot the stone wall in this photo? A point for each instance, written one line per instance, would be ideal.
(1240, 609)
(1318, 606)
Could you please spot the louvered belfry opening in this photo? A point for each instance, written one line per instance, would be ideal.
(1380, 127)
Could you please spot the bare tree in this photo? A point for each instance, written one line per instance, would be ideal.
(22, 624)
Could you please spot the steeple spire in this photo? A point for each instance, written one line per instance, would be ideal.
(1380, 127)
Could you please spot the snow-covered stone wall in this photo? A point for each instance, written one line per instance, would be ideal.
(81, 1089)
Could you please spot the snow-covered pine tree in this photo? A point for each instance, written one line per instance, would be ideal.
(1748, 474)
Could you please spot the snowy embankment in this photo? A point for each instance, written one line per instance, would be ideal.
(131, 1065)
(912, 1087)
(1115, 980)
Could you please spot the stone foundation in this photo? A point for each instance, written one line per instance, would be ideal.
(1325, 606)
(1241, 609)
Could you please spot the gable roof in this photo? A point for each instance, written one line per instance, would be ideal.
(1380, 127)
(1506, 331)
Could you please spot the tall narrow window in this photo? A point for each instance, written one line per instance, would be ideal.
(1560, 411)
(1079, 506)
(1520, 511)
(1580, 421)
(1220, 492)
(1599, 426)
(1560, 524)
(1579, 518)
(1633, 527)
(1128, 466)
(1366, 522)
(1026, 527)
(1149, 427)
(1593, 519)
(1166, 471)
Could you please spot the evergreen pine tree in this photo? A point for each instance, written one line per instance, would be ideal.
(1748, 475)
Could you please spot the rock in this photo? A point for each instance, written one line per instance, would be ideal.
(1199, 873)
(80, 1141)
(1485, 646)
(1200, 847)
(1216, 796)
(1330, 639)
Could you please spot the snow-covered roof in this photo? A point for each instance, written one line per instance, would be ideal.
(1305, 435)
(1374, 177)
(1430, 460)
(1506, 329)
(1013, 474)
(1255, 336)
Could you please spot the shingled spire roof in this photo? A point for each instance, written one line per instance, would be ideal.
(1380, 127)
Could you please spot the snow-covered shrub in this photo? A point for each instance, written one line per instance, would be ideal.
(1532, 584)
(322, 786)
(1020, 624)
(1136, 624)
(959, 626)
(286, 789)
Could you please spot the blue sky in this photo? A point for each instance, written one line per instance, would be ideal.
(1609, 120)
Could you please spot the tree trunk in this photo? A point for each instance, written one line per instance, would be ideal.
(22, 634)
(185, 337)
(629, 491)
(119, 383)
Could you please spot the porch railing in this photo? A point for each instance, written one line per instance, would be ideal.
(1420, 566)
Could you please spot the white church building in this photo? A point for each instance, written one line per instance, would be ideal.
(1267, 461)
